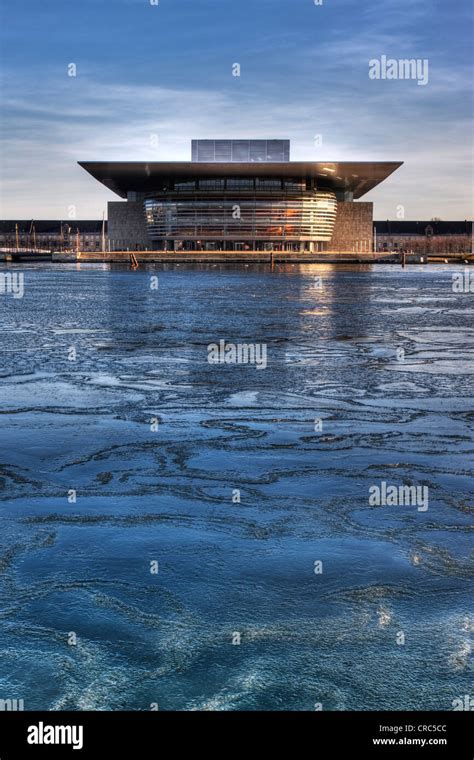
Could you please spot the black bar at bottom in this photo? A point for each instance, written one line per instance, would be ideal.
(142, 734)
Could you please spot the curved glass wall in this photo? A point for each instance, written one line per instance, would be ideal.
(280, 217)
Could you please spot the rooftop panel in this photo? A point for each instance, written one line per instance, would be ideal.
(230, 151)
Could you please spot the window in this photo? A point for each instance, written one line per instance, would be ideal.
(211, 184)
(235, 183)
(185, 186)
(295, 186)
(268, 184)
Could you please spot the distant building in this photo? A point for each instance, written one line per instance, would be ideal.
(240, 195)
(424, 237)
(52, 235)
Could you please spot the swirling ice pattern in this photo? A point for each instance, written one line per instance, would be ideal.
(381, 357)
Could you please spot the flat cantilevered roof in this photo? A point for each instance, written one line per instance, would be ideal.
(121, 177)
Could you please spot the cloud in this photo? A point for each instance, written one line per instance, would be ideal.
(49, 126)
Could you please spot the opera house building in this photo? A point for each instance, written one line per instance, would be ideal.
(240, 195)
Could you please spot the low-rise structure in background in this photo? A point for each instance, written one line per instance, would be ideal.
(434, 236)
(53, 235)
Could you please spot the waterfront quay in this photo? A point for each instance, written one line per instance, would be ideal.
(231, 257)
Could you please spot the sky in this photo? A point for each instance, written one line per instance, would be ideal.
(153, 74)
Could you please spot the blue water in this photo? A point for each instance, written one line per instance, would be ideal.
(166, 495)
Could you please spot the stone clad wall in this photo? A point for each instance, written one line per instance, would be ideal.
(353, 230)
(127, 226)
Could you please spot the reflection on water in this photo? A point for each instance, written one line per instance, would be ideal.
(381, 357)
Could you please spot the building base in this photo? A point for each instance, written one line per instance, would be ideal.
(127, 231)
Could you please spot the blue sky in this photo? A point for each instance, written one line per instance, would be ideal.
(151, 77)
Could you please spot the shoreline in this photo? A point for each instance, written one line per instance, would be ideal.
(234, 257)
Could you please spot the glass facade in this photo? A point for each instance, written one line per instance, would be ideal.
(252, 216)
